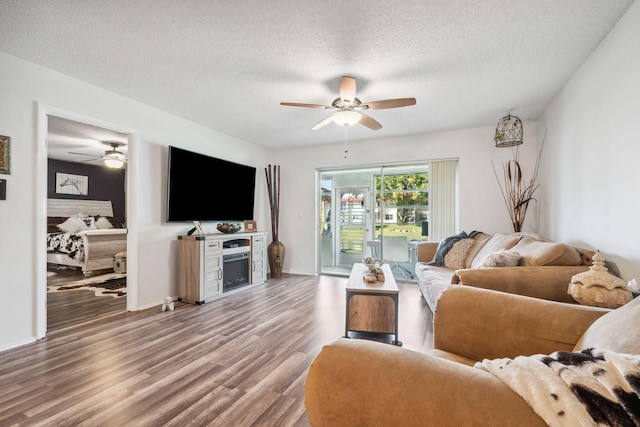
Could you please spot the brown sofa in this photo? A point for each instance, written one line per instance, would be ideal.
(362, 383)
(544, 269)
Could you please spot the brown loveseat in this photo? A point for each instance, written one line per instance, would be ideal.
(362, 383)
(544, 269)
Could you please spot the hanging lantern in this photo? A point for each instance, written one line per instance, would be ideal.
(508, 132)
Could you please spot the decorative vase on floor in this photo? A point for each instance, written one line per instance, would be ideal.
(275, 252)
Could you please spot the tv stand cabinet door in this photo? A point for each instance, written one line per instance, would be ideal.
(199, 270)
(212, 268)
(258, 259)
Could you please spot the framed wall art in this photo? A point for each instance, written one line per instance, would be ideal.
(250, 226)
(67, 183)
(5, 155)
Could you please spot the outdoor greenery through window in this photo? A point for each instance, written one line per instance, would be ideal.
(402, 205)
(352, 218)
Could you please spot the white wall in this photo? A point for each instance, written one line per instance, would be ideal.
(590, 169)
(23, 85)
(481, 205)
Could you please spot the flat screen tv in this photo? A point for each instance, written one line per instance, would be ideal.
(204, 188)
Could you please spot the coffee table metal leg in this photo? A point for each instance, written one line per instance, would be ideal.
(346, 323)
(396, 341)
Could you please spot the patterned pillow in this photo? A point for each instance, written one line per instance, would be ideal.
(74, 225)
(454, 259)
(445, 246)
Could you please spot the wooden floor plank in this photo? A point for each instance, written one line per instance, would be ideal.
(241, 360)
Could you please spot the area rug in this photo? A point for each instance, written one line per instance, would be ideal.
(112, 284)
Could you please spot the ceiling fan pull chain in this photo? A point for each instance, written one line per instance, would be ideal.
(345, 141)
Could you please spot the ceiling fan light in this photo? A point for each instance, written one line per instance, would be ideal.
(115, 154)
(113, 163)
(347, 118)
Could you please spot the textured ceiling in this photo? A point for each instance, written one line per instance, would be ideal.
(228, 64)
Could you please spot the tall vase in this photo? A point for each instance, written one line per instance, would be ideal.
(275, 252)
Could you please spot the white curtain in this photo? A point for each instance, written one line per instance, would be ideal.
(442, 199)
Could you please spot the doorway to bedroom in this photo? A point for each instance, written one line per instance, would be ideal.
(86, 223)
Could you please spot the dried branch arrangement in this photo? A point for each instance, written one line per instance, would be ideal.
(516, 192)
(273, 186)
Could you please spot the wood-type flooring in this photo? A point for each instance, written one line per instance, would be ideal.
(78, 306)
(238, 361)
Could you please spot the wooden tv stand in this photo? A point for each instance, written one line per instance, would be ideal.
(201, 275)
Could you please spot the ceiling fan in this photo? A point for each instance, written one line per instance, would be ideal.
(349, 108)
(112, 158)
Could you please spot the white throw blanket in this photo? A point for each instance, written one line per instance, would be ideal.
(589, 388)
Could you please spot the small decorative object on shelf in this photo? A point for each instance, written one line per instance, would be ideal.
(598, 287)
(375, 273)
(372, 263)
(250, 226)
(228, 228)
(370, 278)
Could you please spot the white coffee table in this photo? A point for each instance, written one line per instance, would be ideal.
(372, 307)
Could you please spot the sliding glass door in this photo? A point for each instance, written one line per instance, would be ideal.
(402, 215)
(352, 224)
(381, 211)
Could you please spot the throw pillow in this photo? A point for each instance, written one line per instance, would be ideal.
(546, 253)
(103, 223)
(496, 243)
(454, 259)
(502, 258)
(75, 225)
(54, 221)
(115, 222)
(446, 244)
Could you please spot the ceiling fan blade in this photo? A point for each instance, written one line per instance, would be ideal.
(296, 104)
(389, 103)
(347, 88)
(323, 122)
(370, 122)
(84, 154)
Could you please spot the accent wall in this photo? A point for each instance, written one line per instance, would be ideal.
(104, 184)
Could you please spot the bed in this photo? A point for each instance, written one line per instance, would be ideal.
(83, 234)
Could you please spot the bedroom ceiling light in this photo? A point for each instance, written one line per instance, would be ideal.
(508, 132)
(347, 118)
(113, 162)
(114, 158)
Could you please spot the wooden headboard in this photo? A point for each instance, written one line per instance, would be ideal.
(70, 207)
